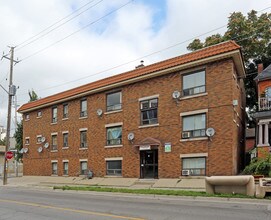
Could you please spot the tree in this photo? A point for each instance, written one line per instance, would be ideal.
(3, 141)
(19, 141)
(252, 33)
(32, 95)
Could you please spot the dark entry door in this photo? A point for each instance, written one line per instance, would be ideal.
(149, 164)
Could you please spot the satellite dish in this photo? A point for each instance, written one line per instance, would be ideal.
(21, 151)
(210, 132)
(99, 112)
(46, 145)
(40, 149)
(131, 136)
(176, 94)
(25, 150)
(43, 139)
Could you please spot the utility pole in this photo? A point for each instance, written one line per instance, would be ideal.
(11, 93)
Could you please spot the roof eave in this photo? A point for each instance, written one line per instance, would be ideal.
(234, 54)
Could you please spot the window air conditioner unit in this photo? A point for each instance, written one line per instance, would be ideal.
(186, 134)
(185, 172)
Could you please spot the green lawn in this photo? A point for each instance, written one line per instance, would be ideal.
(150, 191)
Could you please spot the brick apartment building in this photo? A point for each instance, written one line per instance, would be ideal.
(136, 124)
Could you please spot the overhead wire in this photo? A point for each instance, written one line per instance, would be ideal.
(139, 58)
(23, 44)
(75, 32)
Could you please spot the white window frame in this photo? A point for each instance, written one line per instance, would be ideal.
(81, 161)
(115, 173)
(54, 114)
(83, 113)
(191, 91)
(194, 171)
(54, 162)
(114, 109)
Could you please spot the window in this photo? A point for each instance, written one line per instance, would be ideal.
(194, 83)
(65, 111)
(27, 117)
(83, 167)
(113, 167)
(27, 141)
(65, 168)
(54, 142)
(39, 114)
(114, 135)
(83, 108)
(149, 111)
(196, 166)
(83, 139)
(65, 140)
(54, 115)
(113, 101)
(39, 137)
(194, 126)
(54, 168)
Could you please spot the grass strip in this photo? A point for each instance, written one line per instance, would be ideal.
(167, 192)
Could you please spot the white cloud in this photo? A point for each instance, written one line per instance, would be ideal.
(123, 36)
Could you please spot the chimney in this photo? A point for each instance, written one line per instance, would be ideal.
(260, 68)
(140, 65)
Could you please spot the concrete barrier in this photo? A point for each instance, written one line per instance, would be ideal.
(230, 184)
(263, 187)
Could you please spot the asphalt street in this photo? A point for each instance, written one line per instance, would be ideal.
(25, 203)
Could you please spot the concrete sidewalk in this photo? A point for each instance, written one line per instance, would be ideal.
(191, 183)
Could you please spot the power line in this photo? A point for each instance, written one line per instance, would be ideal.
(111, 12)
(140, 58)
(46, 33)
(19, 45)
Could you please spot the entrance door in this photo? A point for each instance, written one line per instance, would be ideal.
(149, 164)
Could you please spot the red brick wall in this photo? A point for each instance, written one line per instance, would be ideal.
(250, 144)
(223, 150)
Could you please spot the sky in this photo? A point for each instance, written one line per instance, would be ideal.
(62, 44)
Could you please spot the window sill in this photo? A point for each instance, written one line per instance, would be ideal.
(83, 148)
(113, 146)
(193, 96)
(39, 117)
(26, 144)
(38, 143)
(194, 139)
(64, 148)
(112, 176)
(64, 119)
(53, 123)
(27, 120)
(54, 151)
(112, 112)
(146, 126)
(83, 117)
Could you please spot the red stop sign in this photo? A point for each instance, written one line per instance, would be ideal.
(9, 155)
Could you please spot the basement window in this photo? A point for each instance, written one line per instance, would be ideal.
(54, 168)
(114, 168)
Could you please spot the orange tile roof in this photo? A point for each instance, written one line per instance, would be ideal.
(179, 60)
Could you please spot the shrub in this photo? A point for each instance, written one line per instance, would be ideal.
(259, 166)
